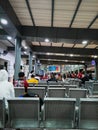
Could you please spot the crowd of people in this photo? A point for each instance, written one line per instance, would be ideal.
(22, 81)
(35, 79)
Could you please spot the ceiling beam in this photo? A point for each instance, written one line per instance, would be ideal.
(30, 12)
(64, 57)
(52, 13)
(3, 36)
(2, 32)
(65, 50)
(75, 13)
(96, 17)
(7, 12)
(49, 62)
(58, 34)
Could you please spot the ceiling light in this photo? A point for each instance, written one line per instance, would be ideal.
(25, 52)
(4, 21)
(34, 56)
(47, 53)
(82, 61)
(95, 56)
(46, 40)
(9, 38)
(84, 42)
(71, 55)
(25, 47)
(66, 60)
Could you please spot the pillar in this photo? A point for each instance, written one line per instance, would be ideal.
(36, 67)
(17, 57)
(85, 68)
(96, 70)
(30, 61)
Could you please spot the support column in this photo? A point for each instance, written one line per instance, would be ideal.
(60, 68)
(78, 69)
(30, 61)
(17, 57)
(85, 68)
(36, 67)
(96, 70)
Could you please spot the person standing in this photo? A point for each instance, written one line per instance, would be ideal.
(6, 87)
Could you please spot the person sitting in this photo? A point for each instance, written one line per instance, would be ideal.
(52, 78)
(37, 77)
(21, 82)
(32, 80)
(85, 78)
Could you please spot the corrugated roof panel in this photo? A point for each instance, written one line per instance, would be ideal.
(89, 5)
(57, 44)
(21, 11)
(40, 4)
(68, 45)
(83, 19)
(92, 46)
(45, 43)
(79, 46)
(95, 25)
(66, 4)
(35, 43)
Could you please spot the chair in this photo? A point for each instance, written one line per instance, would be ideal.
(37, 90)
(88, 114)
(2, 113)
(56, 92)
(95, 89)
(89, 86)
(59, 113)
(55, 86)
(24, 113)
(69, 86)
(77, 93)
(52, 83)
(19, 91)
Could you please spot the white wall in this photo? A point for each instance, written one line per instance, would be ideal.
(10, 58)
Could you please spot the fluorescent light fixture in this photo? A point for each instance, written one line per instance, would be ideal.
(66, 60)
(71, 55)
(4, 21)
(47, 53)
(95, 56)
(84, 42)
(82, 61)
(46, 40)
(34, 56)
(25, 52)
(25, 47)
(9, 38)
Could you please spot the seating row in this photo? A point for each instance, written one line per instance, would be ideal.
(92, 87)
(54, 92)
(43, 82)
(57, 113)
